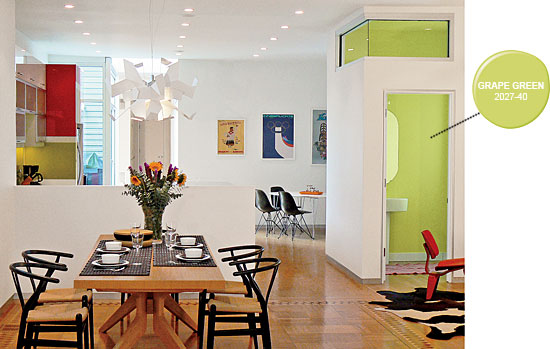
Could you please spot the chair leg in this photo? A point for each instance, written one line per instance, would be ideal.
(35, 337)
(211, 327)
(200, 320)
(259, 223)
(91, 322)
(79, 331)
(294, 223)
(86, 336)
(122, 298)
(252, 326)
(21, 335)
(29, 336)
(307, 231)
(266, 335)
(433, 280)
(268, 224)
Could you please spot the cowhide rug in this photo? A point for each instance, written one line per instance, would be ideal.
(444, 313)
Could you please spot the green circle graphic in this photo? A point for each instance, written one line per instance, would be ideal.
(511, 88)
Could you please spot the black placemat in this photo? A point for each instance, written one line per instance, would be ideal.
(163, 257)
(143, 257)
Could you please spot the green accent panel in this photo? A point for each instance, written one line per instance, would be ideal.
(409, 38)
(422, 176)
(56, 160)
(393, 38)
(356, 43)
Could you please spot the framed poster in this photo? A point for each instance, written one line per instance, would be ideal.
(231, 137)
(319, 136)
(278, 136)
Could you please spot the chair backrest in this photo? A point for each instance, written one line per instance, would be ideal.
(262, 202)
(275, 198)
(254, 251)
(273, 264)
(430, 245)
(288, 205)
(31, 256)
(16, 272)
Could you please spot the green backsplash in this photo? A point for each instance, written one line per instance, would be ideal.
(422, 174)
(56, 160)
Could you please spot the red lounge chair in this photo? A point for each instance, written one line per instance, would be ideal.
(442, 268)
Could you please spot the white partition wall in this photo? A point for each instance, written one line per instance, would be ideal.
(355, 178)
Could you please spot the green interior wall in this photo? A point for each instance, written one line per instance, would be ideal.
(422, 174)
(392, 38)
(56, 160)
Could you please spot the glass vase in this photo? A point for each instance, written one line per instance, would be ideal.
(153, 221)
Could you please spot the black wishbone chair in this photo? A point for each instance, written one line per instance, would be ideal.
(244, 309)
(60, 295)
(36, 318)
(292, 212)
(231, 287)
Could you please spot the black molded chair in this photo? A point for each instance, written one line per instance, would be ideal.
(231, 287)
(36, 318)
(290, 209)
(264, 206)
(60, 295)
(246, 310)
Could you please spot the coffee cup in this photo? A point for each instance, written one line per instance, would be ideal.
(188, 241)
(193, 252)
(113, 245)
(110, 258)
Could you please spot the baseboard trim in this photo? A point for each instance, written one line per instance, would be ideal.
(414, 257)
(368, 281)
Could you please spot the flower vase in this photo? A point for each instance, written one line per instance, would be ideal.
(153, 221)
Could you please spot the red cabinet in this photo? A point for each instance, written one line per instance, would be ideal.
(61, 100)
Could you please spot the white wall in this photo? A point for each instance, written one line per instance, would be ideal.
(7, 142)
(69, 218)
(245, 90)
(362, 84)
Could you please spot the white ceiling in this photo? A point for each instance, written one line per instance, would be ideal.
(219, 29)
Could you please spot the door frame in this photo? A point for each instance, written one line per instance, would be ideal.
(451, 148)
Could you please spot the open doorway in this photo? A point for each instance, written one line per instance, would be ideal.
(417, 174)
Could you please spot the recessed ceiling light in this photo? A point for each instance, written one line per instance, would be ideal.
(255, 55)
(178, 54)
(98, 51)
(299, 12)
(23, 50)
(428, 29)
(182, 36)
(273, 39)
(87, 34)
(284, 27)
(179, 46)
(78, 21)
(350, 49)
(69, 6)
(185, 24)
(189, 10)
(264, 49)
(93, 43)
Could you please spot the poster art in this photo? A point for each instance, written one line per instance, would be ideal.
(278, 136)
(319, 137)
(230, 137)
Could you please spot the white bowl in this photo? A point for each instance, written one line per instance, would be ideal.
(113, 245)
(193, 252)
(110, 258)
(188, 241)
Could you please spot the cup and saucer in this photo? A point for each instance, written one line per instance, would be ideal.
(193, 255)
(113, 247)
(188, 242)
(110, 261)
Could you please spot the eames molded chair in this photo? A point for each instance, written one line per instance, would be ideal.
(264, 206)
(442, 268)
(290, 209)
(37, 318)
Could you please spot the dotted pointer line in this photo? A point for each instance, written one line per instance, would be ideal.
(458, 123)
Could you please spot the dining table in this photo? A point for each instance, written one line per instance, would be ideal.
(151, 294)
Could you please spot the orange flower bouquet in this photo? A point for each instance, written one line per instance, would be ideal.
(154, 190)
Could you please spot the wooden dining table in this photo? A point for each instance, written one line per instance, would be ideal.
(154, 289)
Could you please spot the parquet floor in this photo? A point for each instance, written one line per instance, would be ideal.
(313, 305)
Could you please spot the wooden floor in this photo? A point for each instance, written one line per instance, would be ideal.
(313, 305)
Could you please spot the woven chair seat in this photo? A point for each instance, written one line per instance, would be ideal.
(64, 295)
(57, 312)
(235, 304)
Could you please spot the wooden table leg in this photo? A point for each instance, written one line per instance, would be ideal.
(174, 308)
(138, 326)
(160, 324)
(120, 313)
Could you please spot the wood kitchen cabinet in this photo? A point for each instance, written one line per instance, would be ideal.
(34, 74)
(30, 98)
(20, 127)
(20, 94)
(41, 101)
